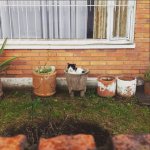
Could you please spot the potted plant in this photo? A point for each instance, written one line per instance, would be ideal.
(147, 82)
(44, 81)
(106, 86)
(4, 64)
(126, 86)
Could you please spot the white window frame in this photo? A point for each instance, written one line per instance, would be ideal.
(109, 43)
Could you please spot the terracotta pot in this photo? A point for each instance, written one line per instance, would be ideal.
(44, 84)
(126, 86)
(106, 86)
(147, 87)
(1, 90)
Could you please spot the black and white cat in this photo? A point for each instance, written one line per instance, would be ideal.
(72, 69)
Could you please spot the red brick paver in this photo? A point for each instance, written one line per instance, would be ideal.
(13, 143)
(132, 142)
(64, 142)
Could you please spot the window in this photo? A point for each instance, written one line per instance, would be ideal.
(82, 23)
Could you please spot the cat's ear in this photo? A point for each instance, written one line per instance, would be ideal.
(68, 64)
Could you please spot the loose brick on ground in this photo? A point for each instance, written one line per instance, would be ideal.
(132, 142)
(66, 142)
(13, 143)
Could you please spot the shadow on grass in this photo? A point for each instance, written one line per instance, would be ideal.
(51, 128)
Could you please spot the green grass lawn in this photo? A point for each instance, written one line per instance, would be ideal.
(117, 116)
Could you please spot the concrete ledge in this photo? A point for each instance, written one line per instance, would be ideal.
(27, 82)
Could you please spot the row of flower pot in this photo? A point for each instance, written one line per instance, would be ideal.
(44, 84)
(124, 86)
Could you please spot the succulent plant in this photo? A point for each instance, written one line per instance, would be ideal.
(4, 64)
(45, 69)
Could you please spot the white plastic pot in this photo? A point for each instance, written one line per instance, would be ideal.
(126, 86)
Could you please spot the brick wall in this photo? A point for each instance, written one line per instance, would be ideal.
(116, 62)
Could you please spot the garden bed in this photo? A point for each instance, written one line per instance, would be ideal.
(23, 113)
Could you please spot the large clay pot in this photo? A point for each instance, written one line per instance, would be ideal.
(126, 86)
(147, 87)
(44, 84)
(106, 86)
(1, 90)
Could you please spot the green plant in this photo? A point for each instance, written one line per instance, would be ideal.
(147, 75)
(45, 69)
(6, 63)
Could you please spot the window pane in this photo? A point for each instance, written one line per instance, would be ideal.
(55, 19)
(90, 22)
(120, 18)
(100, 19)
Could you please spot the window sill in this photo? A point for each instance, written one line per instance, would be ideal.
(67, 44)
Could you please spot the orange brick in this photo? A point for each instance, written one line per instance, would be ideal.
(98, 72)
(22, 67)
(39, 51)
(64, 54)
(30, 54)
(61, 63)
(121, 54)
(98, 53)
(114, 63)
(57, 58)
(98, 63)
(82, 63)
(114, 72)
(53, 63)
(25, 58)
(27, 72)
(40, 58)
(44, 54)
(13, 72)
(52, 53)
(79, 54)
(33, 63)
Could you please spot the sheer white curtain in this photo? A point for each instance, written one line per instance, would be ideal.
(35, 21)
(120, 18)
(20, 22)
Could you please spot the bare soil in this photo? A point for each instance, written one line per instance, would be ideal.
(51, 128)
(126, 78)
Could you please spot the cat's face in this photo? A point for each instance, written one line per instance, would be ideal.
(73, 66)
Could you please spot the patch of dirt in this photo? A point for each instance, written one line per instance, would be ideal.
(49, 129)
(143, 99)
(126, 78)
